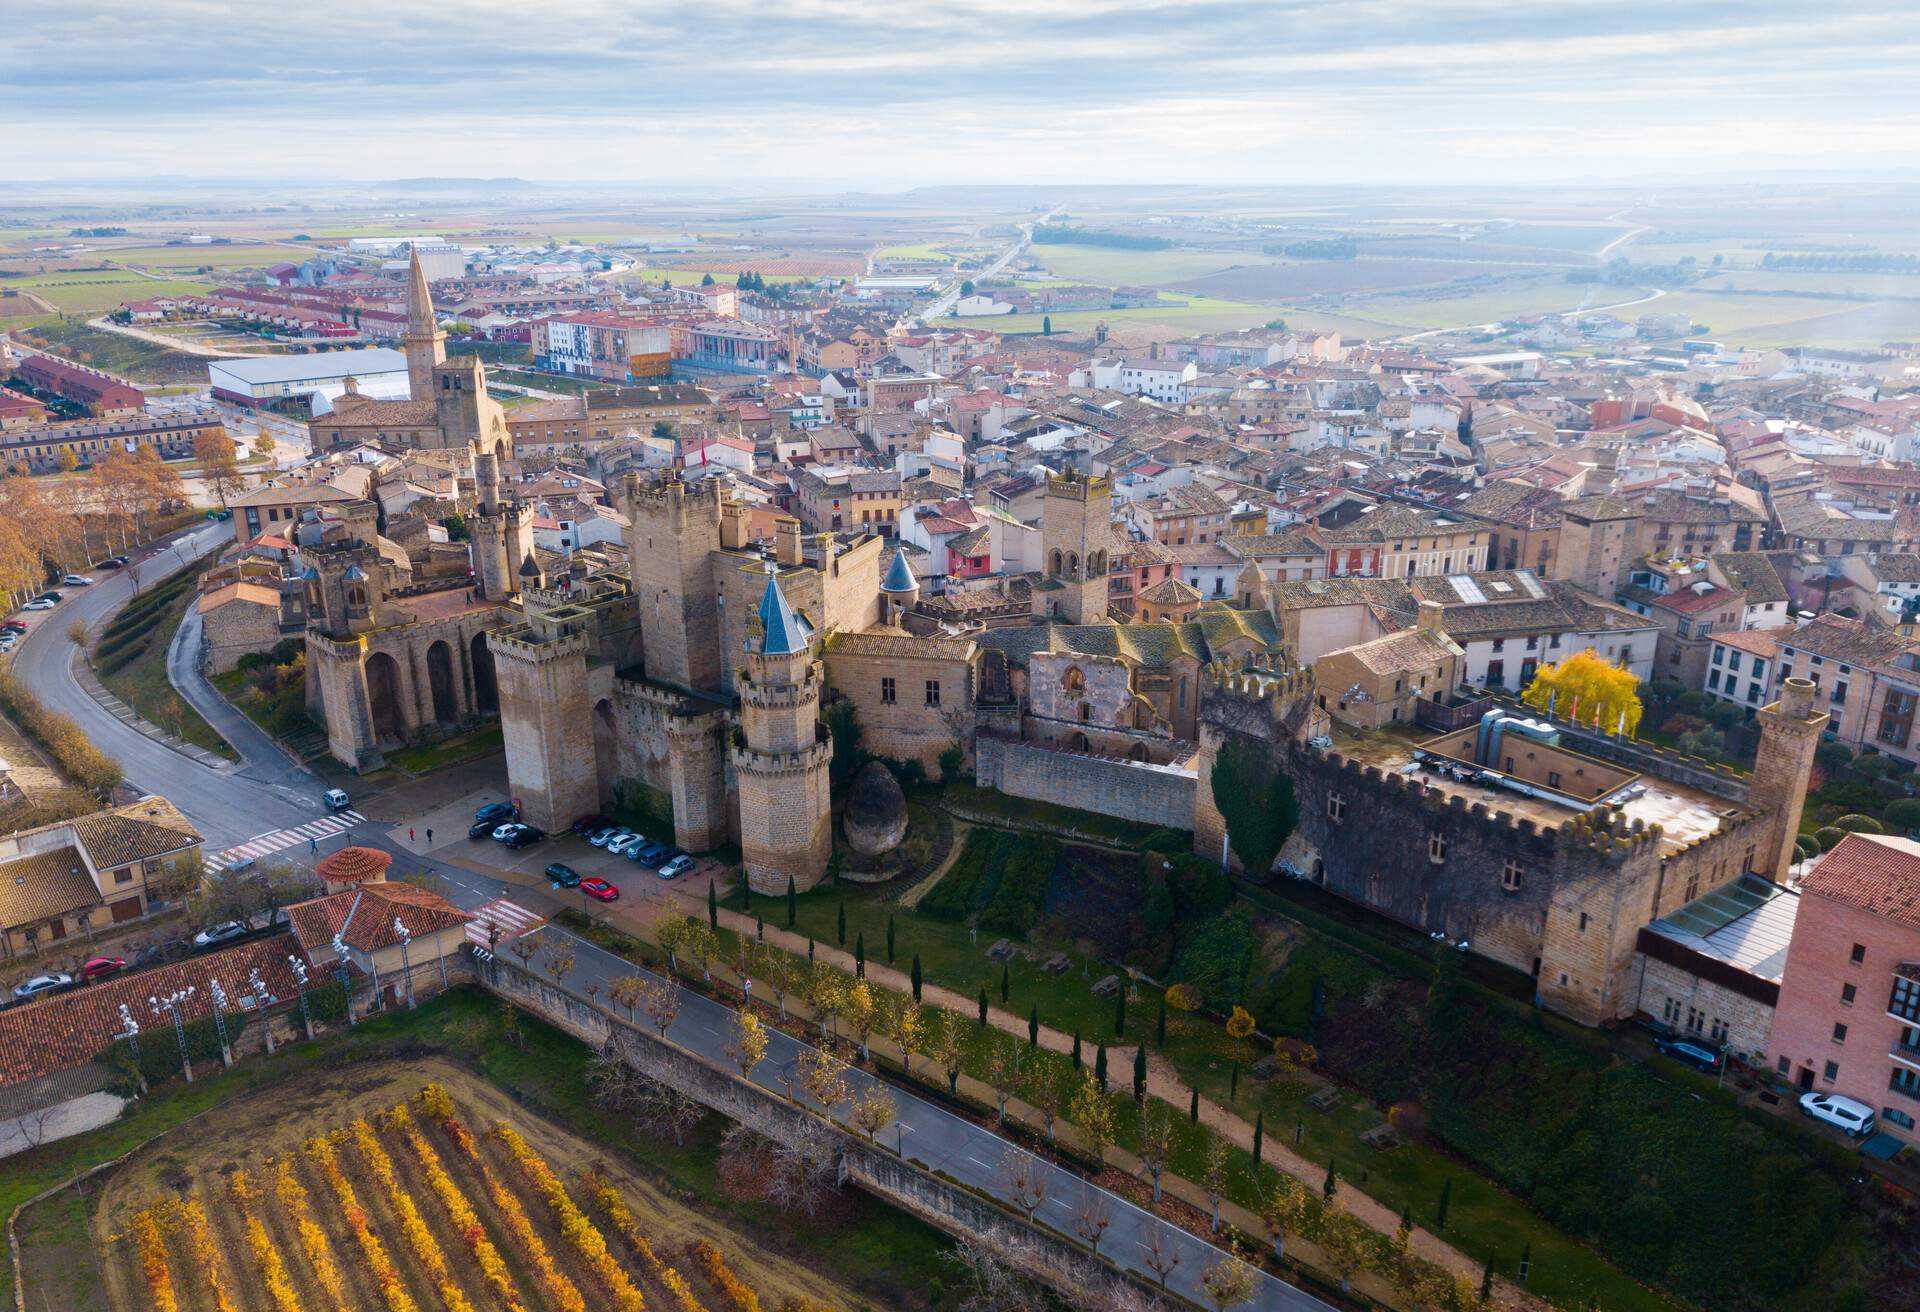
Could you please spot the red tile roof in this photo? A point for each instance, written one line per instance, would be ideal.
(70, 1029)
(368, 913)
(1877, 874)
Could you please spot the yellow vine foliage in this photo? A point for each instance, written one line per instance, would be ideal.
(580, 1232)
(153, 1260)
(313, 1240)
(391, 1289)
(273, 1270)
(465, 1219)
(419, 1238)
(205, 1252)
(560, 1290)
(624, 1225)
(715, 1264)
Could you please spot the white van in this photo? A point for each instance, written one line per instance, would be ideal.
(1856, 1118)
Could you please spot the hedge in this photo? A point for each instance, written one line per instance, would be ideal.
(71, 749)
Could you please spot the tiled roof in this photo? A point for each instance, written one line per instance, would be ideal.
(368, 913)
(1287, 542)
(43, 885)
(1406, 652)
(354, 865)
(1753, 574)
(147, 828)
(1764, 643)
(1687, 601)
(1172, 591)
(1873, 872)
(71, 1029)
(1835, 637)
(891, 643)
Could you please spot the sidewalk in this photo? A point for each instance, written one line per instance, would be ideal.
(119, 710)
(257, 749)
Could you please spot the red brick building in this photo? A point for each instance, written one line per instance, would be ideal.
(1848, 1020)
(105, 396)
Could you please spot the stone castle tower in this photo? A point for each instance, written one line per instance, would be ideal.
(1075, 536)
(674, 533)
(424, 343)
(1790, 731)
(502, 532)
(781, 755)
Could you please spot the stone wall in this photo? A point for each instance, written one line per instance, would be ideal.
(944, 1204)
(1131, 790)
(1677, 996)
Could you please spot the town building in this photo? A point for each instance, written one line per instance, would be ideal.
(70, 878)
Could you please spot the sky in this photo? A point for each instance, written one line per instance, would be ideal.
(875, 95)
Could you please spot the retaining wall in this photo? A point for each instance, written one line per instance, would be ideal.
(1128, 790)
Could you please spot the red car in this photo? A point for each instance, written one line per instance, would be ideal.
(100, 967)
(600, 889)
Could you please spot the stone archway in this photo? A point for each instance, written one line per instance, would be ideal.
(606, 751)
(446, 698)
(383, 698)
(486, 692)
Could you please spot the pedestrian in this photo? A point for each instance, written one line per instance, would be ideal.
(409, 835)
(429, 838)
(313, 845)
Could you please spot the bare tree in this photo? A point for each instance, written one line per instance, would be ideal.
(1162, 1255)
(559, 962)
(796, 1174)
(1214, 1177)
(661, 1001)
(1092, 1217)
(993, 1284)
(1005, 1060)
(615, 1083)
(1022, 1179)
(1156, 1141)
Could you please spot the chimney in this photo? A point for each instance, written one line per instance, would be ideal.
(1433, 618)
(786, 541)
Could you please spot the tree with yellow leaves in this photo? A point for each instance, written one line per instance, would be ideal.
(1590, 690)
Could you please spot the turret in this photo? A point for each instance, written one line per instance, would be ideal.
(781, 756)
(899, 590)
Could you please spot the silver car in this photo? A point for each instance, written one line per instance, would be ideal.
(39, 984)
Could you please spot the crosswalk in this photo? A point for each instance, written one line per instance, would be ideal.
(512, 918)
(314, 831)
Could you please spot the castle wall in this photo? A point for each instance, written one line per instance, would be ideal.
(786, 818)
(905, 729)
(547, 722)
(674, 535)
(1131, 790)
(1103, 699)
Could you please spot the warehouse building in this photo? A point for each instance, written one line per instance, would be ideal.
(269, 379)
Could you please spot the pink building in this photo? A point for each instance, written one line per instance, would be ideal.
(1848, 1020)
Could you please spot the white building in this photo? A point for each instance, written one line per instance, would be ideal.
(1740, 670)
(441, 259)
(259, 380)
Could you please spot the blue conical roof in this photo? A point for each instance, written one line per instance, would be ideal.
(782, 631)
(900, 574)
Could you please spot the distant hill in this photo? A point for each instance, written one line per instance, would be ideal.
(451, 184)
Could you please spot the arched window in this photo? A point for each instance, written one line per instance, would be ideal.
(356, 595)
(1078, 742)
(1073, 563)
(1086, 711)
(1139, 752)
(1056, 562)
(1073, 680)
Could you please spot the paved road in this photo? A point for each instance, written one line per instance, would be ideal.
(1001, 261)
(228, 804)
(929, 1134)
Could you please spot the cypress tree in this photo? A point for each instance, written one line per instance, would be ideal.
(1076, 1049)
(746, 893)
(713, 906)
(1332, 1183)
(1233, 1082)
(1033, 1026)
(1140, 1074)
(860, 955)
(840, 925)
(759, 930)
(1004, 982)
(1259, 1136)
(914, 975)
(1486, 1283)
(1193, 1107)
(1120, 1013)
(1100, 1067)
(983, 1006)
(889, 938)
(1446, 1198)
(793, 902)
(1160, 1026)
(809, 949)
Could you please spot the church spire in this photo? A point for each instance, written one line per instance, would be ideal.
(425, 344)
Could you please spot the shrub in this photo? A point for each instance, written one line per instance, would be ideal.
(1805, 847)
(1828, 837)
(1859, 824)
(1902, 814)
(71, 749)
(1216, 957)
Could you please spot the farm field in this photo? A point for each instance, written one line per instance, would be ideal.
(1893, 285)
(1098, 264)
(1199, 314)
(1577, 238)
(1274, 283)
(97, 291)
(161, 259)
(1437, 308)
(129, 357)
(411, 1186)
(1784, 320)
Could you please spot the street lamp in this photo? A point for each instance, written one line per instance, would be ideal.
(299, 969)
(406, 962)
(171, 1004)
(260, 999)
(340, 969)
(220, 1019)
(130, 1031)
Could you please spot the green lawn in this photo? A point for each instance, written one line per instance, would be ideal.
(129, 357)
(543, 382)
(450, 751)
(142, 683)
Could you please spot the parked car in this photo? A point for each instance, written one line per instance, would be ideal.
(608, 836)
(219, 516)
(495, 811)
(13, 626)
(1693, 1052)
(1855, 1118)
(525, 836)
(652, 854)
(587, 824)
(33, 988)
(563, 876)
(78, 581)
(622, 846)
(335, 798)
(53, 595)
(100, 967)
(599, 889)
(501, 833)
(113, 562)
(676, 867)
(224, 932)
(39, 603)
(8, 641)
(481, 828)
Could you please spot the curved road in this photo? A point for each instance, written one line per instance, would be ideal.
(229, 804)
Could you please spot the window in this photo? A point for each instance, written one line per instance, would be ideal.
(1905, 1003)
(1583, 922)
(123, 876)
(1830, 1072)
(1436, 848)
(887, 689)
(1693, 886)
(1859, 953)
(1839, 1033)
(933, 692)
(1717, 1031)
(1905, 1080)
(1784, 1065)
(1846, 994)
(1553, 778)
(1839, 694)
(1510, 876)
(1671, 1011)
(1895, 1116)
(1336, 807)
